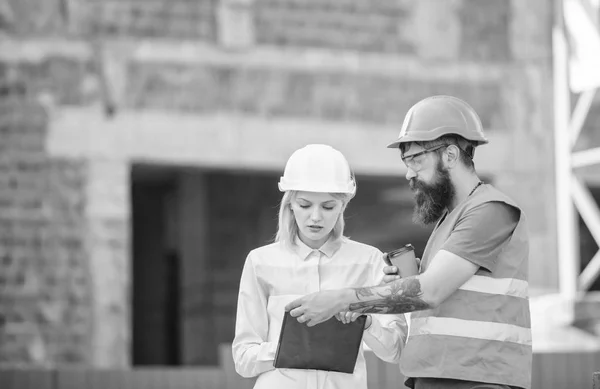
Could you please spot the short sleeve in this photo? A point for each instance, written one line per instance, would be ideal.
(482, 232)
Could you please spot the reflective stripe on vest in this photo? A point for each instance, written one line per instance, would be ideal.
(505, 286)
(470, 329)
(432, 325)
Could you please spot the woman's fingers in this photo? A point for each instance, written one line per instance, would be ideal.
(352, 316)
(342, 316)
(347, 317)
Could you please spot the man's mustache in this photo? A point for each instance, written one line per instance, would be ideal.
(414, 184)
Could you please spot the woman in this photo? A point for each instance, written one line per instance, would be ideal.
(309, 254)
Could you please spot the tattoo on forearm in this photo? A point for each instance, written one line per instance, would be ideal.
(400, 296)
(364, 292)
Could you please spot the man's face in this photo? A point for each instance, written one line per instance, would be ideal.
(431, 184)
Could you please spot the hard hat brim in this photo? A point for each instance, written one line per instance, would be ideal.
(316, 187)
(432, 135)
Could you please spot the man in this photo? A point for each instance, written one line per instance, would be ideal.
(471, 322)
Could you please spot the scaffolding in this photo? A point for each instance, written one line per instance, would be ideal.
(576, 52)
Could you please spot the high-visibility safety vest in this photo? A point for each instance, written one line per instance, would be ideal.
(482, 332)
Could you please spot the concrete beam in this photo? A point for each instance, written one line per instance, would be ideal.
(315, 59)
(231, 141)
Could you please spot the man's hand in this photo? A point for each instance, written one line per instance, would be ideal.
(391, 274)
(318, 307)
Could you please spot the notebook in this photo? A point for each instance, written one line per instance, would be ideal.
(331, 345)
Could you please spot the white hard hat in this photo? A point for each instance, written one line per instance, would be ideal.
(318, 168)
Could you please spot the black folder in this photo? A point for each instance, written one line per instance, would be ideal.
(331, 345)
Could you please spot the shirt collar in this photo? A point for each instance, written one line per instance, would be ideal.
(329, 248)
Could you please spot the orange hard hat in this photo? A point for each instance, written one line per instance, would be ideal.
(436, 116)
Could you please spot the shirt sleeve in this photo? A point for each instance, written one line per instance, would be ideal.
(252, 354)
(482, 232)
(387, 333)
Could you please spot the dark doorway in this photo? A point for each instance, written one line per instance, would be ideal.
(156, 268)
(191, 232)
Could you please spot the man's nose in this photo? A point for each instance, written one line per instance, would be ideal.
(410, 173)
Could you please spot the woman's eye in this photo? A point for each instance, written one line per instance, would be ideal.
(328, 208)
(304, 206)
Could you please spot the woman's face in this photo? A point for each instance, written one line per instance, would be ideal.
(316, 215)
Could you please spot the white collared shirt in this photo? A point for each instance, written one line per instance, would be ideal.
(273, 276)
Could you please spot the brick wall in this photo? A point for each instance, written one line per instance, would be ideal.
(67, 81)
(191, 19)
(337, 96)
(344, 24)
(387, 26)
(467, 29)
(44, 281)
(33, 17)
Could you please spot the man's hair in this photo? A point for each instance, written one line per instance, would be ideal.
(466, 147)
(287, 229)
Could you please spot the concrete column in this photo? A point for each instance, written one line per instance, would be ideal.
(108, 216)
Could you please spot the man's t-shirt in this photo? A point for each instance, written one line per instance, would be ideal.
(478, 237)
(481, 233)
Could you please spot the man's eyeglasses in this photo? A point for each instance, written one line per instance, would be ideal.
(414, 161)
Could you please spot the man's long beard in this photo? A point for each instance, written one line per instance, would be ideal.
(432, 199)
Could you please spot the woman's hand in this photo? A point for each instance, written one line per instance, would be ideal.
(349, 317)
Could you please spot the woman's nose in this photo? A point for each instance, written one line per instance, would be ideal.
(316, 214)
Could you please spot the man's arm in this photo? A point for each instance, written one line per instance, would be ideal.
(444, 276)
(401, 296)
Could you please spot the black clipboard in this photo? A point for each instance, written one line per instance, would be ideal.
(331, 345)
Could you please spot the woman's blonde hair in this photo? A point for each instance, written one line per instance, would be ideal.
(287, 229)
